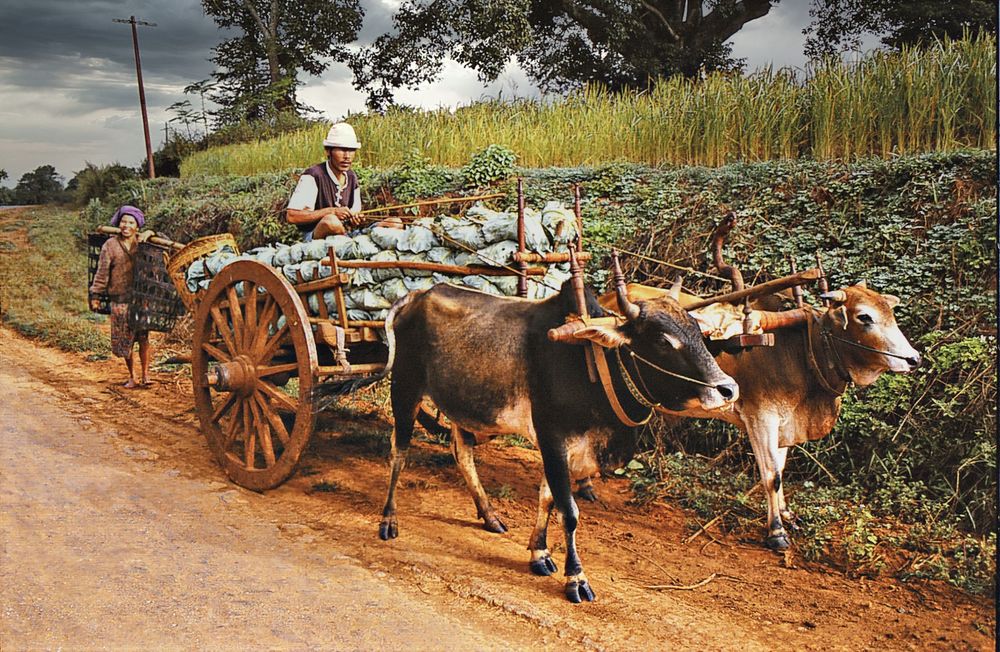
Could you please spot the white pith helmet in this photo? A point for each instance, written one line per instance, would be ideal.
(342, 135)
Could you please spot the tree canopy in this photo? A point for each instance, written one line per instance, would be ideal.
(257, 69)
(561, 44)
(41, 185)
(838, 24)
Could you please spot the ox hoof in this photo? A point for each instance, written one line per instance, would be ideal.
(577, 592)
(494, 524)
(543, 567)
(777, 542)
(388, 530)
(587, 493)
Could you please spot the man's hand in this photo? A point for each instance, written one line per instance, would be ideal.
(345, 215)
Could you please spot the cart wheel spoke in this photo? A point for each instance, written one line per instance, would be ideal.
(249, 436)
(215, 352)
(281, 400)
(273, 419)
(223, 407)
(233, 428)
(236, 313)
(272, 344)
(250, 319)
(223, 328)
(263, 431)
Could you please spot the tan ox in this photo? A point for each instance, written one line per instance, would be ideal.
(791, 393)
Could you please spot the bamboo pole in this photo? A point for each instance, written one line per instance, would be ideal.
(431, 202)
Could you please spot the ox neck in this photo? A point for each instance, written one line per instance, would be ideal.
(832, 360)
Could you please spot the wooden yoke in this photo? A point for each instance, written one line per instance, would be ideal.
(576, 276)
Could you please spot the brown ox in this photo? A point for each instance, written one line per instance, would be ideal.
(791, 393)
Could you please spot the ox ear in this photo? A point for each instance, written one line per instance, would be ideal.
(862, 284)
(838, 315)
(891, 299)
(609, 338)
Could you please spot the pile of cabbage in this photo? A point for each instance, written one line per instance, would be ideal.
(480, 237)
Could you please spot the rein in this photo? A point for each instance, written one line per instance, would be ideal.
(814, 365)
(828, 334)
(643, 398)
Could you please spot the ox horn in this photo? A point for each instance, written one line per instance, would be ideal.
(675, 289)
(837, 296)
(627, 308)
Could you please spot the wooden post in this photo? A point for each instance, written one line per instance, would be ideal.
(579, 219)
(796, 289)
(522, 278)
(824, 287)
(576, 276)
(338, 291)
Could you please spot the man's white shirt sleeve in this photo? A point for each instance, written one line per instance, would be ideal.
(305, 194)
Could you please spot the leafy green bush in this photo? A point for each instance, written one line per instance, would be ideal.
(492, 163)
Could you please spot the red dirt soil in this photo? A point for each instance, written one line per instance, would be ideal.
(753, 599)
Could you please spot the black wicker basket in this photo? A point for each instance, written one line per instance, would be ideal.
(94, 243)
(155, 304)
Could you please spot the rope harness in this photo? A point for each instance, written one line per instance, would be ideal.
(838, 362)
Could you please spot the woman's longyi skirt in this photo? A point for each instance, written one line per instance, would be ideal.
(122, 337)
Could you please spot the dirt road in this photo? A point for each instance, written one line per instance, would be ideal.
(120, 531)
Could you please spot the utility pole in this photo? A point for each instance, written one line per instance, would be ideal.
(142, 95)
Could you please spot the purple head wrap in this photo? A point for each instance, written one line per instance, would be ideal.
(140, 218)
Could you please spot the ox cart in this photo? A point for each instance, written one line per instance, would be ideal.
(259, 357)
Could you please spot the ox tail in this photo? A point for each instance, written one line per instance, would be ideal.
(325, 394)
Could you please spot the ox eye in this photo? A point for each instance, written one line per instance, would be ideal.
(670, 340)
(865, 318)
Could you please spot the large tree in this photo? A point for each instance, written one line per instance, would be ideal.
(40, 186)
(560, 43)
(839, 24)
(258, 68)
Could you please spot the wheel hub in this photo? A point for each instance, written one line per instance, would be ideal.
(238, 375)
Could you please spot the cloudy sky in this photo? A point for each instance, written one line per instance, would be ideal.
(68, 88)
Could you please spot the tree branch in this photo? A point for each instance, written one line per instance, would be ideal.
(724, 26)
(663, 19)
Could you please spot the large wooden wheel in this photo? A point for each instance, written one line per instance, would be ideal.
(248, 321)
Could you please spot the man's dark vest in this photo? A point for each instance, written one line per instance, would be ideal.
(328, 191)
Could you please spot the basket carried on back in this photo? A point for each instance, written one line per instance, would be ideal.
(195, 250)
(155, 304)
(94, 243)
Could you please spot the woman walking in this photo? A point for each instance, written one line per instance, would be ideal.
(114, 278)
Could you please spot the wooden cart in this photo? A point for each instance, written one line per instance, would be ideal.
(258, 355)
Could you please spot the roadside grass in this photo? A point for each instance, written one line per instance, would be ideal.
(43, 286)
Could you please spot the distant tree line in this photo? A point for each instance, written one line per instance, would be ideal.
(44, 185)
